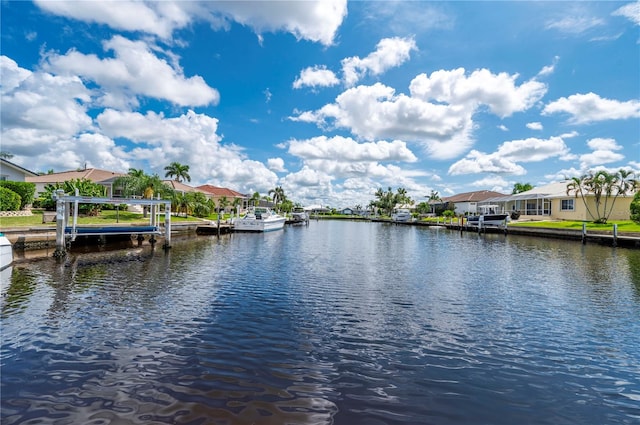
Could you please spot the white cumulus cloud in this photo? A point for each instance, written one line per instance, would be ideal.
(348, 150)
(316, 21)
(276, 165)
(389, 53)
(479, 162)
(499, 92)
(587, 108)
(134, 71)
(507, 156)
(603, 152)
(317, 76)
(438, 113)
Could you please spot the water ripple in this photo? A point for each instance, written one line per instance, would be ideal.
(337, 323)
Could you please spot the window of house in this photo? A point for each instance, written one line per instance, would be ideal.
(567, 205)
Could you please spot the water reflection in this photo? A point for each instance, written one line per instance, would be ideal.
(344, 323)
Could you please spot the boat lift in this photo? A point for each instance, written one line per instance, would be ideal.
(66, 231)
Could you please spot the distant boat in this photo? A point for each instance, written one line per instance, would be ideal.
(259, 219)
(401, 215)
(299, 216)
(6, 252)
(489, 216)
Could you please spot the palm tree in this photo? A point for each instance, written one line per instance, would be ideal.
(278, 195)
(386, 200)
(135, 172)
(255, 199)
(237, 202)
(223, 203)
(401, 196)
(433, 198)
(521, 187)
(622, 182)
(137, 183)
(180, 202)
(177, 170)
(602, 185)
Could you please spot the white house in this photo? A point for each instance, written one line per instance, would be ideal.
(13, 172)
(467, 203)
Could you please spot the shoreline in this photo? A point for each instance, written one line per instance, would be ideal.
(43, 238)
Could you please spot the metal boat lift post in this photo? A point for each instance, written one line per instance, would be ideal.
(63, 208)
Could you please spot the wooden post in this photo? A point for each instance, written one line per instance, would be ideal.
(615, 234)
(584, 233)
(218, 221)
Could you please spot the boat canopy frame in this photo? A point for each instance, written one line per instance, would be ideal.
(66, 230)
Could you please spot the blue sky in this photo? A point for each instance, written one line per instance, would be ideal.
(330, 100)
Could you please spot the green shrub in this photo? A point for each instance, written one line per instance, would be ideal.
(9, 200)
(26, 191)
(635, 208)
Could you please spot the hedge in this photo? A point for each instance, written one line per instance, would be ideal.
(9, 200)
(635, 208)
(26, 191)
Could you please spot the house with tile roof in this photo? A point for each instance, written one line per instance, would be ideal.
(216, 193)
(467, 203)
(96, 175)
(181, 187)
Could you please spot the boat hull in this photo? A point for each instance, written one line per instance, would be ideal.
(259, 225)
(401, 216)
(487, 220)
(6, 252)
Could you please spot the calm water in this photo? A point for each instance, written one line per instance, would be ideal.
(338, 322)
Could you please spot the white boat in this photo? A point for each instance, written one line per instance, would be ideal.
(401, 215)
(6, 252)
(259, 219)
(490, 215)
(299, 216)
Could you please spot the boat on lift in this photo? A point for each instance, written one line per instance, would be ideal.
(490, 215)
(402, 215)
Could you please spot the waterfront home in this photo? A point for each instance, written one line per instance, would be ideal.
(551, 202)
(13, 172)
(96, 175)
(467, 203)
(216, 193)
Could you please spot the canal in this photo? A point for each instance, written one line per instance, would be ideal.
(335, 323)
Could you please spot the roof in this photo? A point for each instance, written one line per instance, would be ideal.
(477, 196)
(96, 175)
(27, 173)
(220, 191)
(179, 186)
(552, 190)
(549, 191)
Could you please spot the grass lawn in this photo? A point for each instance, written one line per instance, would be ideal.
(623, 225)
(627, 226)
